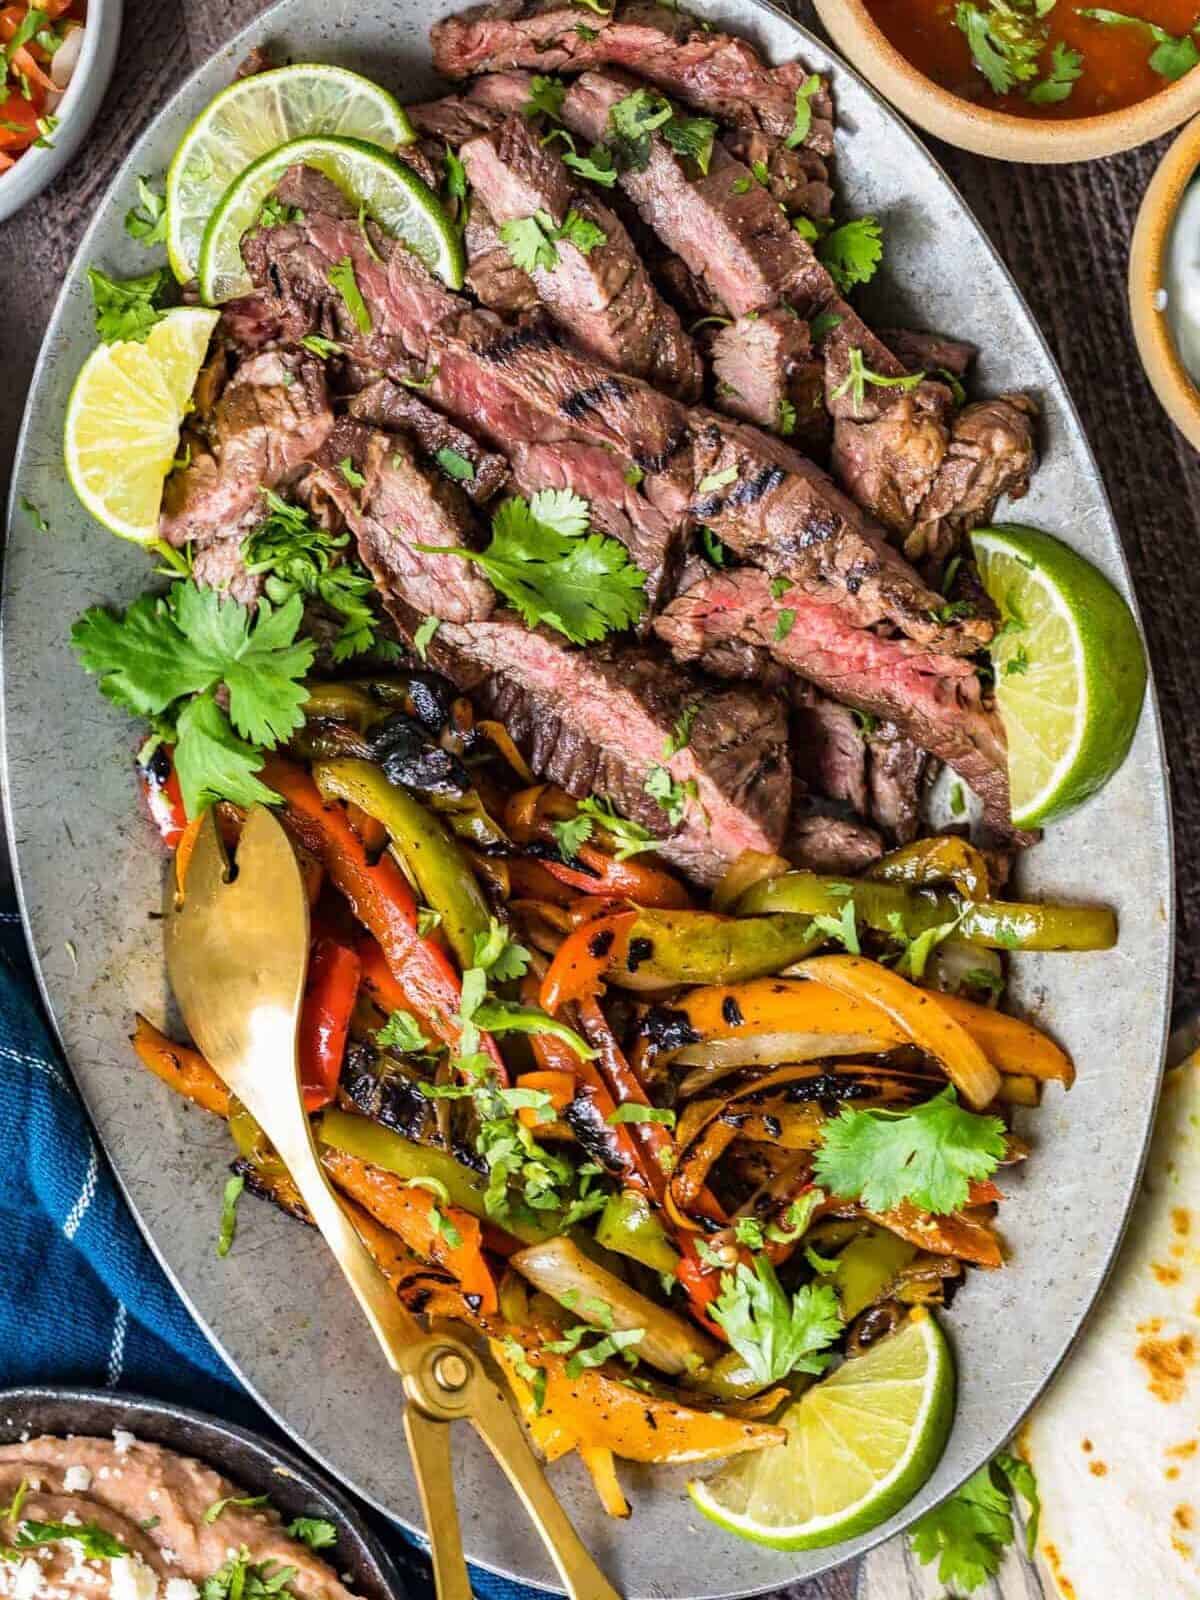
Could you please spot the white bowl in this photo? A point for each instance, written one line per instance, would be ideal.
(76, 111)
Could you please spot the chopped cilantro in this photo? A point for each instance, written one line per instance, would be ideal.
(342, 278)
(775, 1335)
(147, 220)
(230, 1196)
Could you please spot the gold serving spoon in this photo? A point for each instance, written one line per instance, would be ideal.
(237, 954)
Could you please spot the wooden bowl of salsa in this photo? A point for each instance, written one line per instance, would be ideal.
(1028, 80)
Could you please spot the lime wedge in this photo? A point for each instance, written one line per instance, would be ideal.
(123, 418)
(1070, 670)
(859, 1446)
(258, 114)
(394, 196)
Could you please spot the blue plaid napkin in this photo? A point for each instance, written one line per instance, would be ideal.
(84, 1300)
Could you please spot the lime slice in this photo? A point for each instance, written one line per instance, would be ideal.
(123, 419)
(258, 114)
(394, 196)
(860, 1444)
(1070, 670)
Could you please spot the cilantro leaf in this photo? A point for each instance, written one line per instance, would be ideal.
(691, 137)
(852, 253)
(259, 658)
(127, 309)
(546, 96)
(1004, 44)
(96, 1542)
(242, 1579)
(802, 125)
(713, 549)
(785, 621)
(299, 558)
(315, 1532)
(454, 465)
(320, 347)
(424, 635)
(634, 1111)
(351, 474)
(503, 1016)
(275, 213)
(401, 1032)
(581, 584)
(342, 278)
(1172, 57)
(498, 953)
(230, 1196)
(456, 175)
(570, 834)
(580, 231)
(671, 795)
(147, 221)
(629, 838)
(774, 1335)
(218, 1506)
(680, 735)
(597, 165)
(929, 1154)
(530, 241)
(860, 375)
(212, 763)
(968, 1534)
(632, 121)
(1066, 68)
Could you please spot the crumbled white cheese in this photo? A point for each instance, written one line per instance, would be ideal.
(123, 1440)
(28, 1580)
(181, 1589)
(132, 1579)
(77, 1480)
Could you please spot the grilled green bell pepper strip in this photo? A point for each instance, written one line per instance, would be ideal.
(434, 858)
(382, 1147)
(671, 947)
(1001, 924)
(629, 1225)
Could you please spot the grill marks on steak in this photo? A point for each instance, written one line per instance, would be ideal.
(603, 298)
(396, 409)
(934, 700)
(712, 72)
(595, 722)
(521, 386)
(273, 414)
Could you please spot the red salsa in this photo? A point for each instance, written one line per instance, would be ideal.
(31, 35)
(1064, 63)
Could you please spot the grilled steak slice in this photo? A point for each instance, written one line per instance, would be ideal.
(869, 766)
(595, 722)
(992, 453)
(273, 414)
(766, 374)
(602, 296)
(828, 749)
(775, 508)
(654, 543)
(891, 464)
(396, 409)
(797, 179)
(929, 352)
(895, 771)
(219, 565)
(710, 71)
(934, 700)
(403, 504)
(520, 386)
(452, 119)
(492, 276)
(830, 844)
(725, 227)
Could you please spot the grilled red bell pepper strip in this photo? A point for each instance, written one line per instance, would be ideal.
(164, 798)
(636, 881)
(330, 994)
(379, 897)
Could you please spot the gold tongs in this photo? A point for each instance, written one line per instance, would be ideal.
(237, 954)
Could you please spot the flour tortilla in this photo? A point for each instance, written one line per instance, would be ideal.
(1116, 1441)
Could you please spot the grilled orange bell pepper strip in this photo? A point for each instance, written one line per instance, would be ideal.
(180, 1067)
(579, 964)
(378, 895)
(330, 995)
(444, 1234)
(655, 1145)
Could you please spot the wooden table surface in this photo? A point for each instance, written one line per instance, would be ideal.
(1064, 233)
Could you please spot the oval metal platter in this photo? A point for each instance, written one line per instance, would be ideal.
(90, 876)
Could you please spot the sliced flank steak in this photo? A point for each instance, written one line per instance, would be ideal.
(826, 844)
(767, 374)
(595, 722)
(520, 386)
(271, 416)
(937, 701)
(709, 71)
(401, 504)
(493, 277)
(992, 453)
(857, 760)
(597, 288)
(480, 473)
(797, 179)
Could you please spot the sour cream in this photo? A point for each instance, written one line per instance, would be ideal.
(1181, 280)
